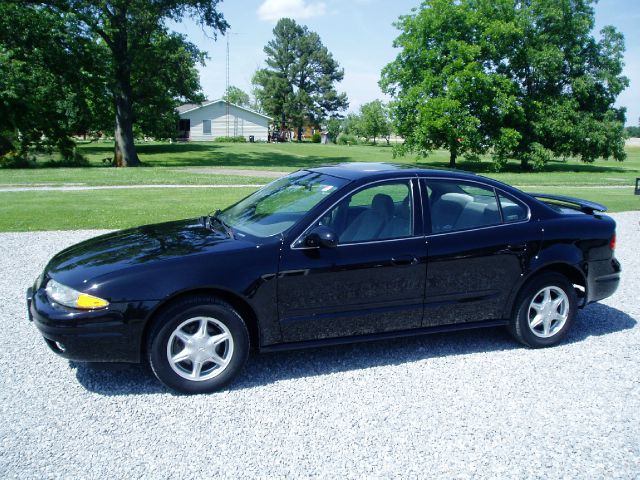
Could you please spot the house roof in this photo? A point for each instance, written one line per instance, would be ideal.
(188, 107)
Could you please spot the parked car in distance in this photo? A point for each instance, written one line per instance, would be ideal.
(327, 255)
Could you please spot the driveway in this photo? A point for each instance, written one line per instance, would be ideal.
(463, 405)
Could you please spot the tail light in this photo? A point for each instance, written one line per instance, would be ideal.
(612, 242)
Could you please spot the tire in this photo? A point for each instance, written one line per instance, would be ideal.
(198, 345)
(544, 311)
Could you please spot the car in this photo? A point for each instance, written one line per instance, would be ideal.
(327, 255)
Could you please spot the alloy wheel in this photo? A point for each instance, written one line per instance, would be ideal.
(548, 312)
(200, 348)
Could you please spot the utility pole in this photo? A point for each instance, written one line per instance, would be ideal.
(226, 92)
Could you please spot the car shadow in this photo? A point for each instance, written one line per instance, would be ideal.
(263, 369)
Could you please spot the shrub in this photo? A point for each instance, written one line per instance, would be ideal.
(347, 139)
(13, 159)
(539, 156)
(238, 139)
(316, 137)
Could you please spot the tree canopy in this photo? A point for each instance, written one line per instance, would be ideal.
(298, 82)
(143, 70)
(374, 120)
(523, 79)
(237, 96)
(46, 90)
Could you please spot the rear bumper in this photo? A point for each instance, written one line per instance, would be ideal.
(113, 334)
(603, 279)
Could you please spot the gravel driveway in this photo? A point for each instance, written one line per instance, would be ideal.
(471, 404)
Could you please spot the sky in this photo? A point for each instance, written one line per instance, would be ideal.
(359, 34)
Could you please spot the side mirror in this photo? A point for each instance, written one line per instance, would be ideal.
(321, 236)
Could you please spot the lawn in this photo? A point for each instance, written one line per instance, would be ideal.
(112, 209)
(176, 164)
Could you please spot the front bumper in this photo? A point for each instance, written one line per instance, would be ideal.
(113, 334)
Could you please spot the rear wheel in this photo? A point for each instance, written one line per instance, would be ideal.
(198, 345)
(545, 311)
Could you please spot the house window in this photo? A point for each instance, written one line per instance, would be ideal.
(206, 127)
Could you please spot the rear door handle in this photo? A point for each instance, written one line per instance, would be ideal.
(517, 248)
(404, 260)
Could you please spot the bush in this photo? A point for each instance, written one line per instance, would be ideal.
(316, 137)
(539, 156)
(13, 159)
(347, 139)
(238, 139)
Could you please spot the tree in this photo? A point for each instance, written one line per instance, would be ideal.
(374, 120)
(523, 79)
(333, 128)
(632, 131)
(352, 125)
(237, 96)
(46, 91)
(134, 34)
(297, 84)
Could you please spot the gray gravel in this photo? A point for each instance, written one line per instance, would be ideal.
(462, 405)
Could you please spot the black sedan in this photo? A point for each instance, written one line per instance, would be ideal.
(327, 255)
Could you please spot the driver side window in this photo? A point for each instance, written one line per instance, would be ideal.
(379, 212)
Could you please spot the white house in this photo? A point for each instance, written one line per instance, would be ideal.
(216, 118)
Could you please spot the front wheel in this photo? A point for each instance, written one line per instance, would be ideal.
(198, 345)
(545, 311)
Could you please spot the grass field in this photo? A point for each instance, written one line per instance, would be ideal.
(175, 163)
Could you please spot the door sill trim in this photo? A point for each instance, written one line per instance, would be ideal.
(382, 336)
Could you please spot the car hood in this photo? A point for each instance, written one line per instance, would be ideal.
(137, 247)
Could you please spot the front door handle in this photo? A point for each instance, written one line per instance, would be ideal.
(404, 260)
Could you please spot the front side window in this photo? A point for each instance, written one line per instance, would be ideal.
(206, 127)
(461, 206)
(379, 212)
(279, 205)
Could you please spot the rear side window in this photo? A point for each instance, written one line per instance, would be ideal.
(512, 210)
(461, 206)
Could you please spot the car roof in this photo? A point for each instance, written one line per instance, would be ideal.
(361, 170)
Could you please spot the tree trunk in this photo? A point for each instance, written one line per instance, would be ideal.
(524, 163)
(299, 134)
(125, 151)
(453, 154)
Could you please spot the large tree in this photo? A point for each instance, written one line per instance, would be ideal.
(298, 82)
(144, 57)
(519, 78)
(46, 90)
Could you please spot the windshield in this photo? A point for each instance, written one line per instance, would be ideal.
(279, 205)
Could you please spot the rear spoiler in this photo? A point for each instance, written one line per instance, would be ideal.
(585, 205)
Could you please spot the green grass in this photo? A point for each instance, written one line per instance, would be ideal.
(173, 163)
(113, 209)
(616, 199)
(170, 163)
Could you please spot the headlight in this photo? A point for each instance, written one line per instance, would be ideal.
(72, 298)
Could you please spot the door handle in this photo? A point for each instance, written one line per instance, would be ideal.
(404, 260)
(517, 248)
